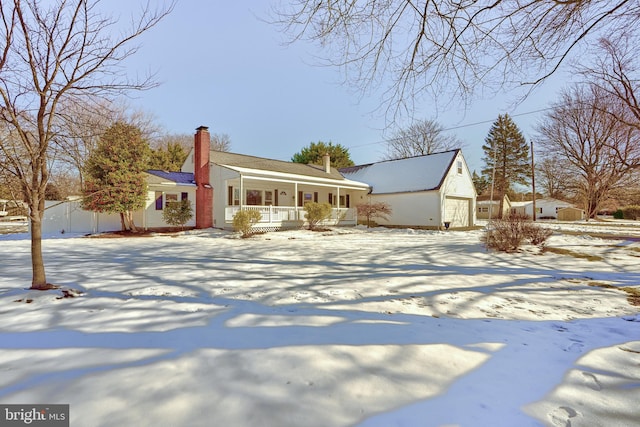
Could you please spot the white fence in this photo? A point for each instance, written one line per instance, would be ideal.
(69, 217)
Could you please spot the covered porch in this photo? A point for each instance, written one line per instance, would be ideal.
(281, 199)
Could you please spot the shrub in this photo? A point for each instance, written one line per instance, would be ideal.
(509, 233)
(631, 212)
(537, 235)
(177, 213)
(316, 213)
(244, 220)
(371, 211)
(618, 214)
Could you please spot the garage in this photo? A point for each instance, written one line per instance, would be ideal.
(457, 211)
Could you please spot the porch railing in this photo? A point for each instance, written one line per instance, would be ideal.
(281, 215)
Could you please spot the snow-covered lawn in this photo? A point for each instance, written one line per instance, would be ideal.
(350, 327)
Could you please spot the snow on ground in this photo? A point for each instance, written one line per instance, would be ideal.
(350, 327)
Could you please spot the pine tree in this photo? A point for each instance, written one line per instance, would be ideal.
(169, 158)
(506, 157)
(480, 182)
(116, 181)
(312, 154)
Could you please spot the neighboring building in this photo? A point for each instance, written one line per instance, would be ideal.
(432, 191)
(545, 208)
(228, 182)
(487, 208)
(571, 214)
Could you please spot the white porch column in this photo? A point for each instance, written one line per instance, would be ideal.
(241, 191)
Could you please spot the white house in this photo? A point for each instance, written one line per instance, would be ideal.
(545, 208)
(432, 191)
(228, 182)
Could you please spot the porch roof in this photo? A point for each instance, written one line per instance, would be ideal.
(233, 160)
(277, 170)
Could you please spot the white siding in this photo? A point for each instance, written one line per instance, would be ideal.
(419, 209)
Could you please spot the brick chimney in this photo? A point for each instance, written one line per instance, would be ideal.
(326, 162)
(204, 192)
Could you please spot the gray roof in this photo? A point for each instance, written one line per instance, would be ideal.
(242, 160)
(420, 173)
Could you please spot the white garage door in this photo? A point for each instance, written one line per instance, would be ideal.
(456, 211)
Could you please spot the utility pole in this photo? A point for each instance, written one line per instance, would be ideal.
(533, 182)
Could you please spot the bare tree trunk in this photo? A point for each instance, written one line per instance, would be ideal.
(39, 278)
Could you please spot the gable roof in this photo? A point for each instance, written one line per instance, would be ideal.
(184, 178)
(245, 162)
(420, 173)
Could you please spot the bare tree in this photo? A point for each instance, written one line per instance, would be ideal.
(53, 54)
(420, 138)
(82, 125)
(553, 175)
(220, 142)
(601, 150)
(414, 47)
(616, 72)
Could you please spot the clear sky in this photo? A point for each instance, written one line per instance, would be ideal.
(222, 67)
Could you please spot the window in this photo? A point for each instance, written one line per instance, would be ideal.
(341, 201)
(268, 198)
(184, 196)
(483, 209)
(236, 196)
(308, 197)
(229, 195)
(171, 198)
(539, 210)
(459, 165)
(159, 201)
(254, 197)
(348, 201)
(315, 197)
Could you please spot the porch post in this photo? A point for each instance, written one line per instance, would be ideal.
(295, 199)
(241, 191)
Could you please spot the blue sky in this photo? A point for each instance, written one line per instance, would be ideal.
(222, 67)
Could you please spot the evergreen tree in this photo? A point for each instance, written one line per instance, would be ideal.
(506, 157)
(116, 180)
(169, 158)
(480, 182)
(312, 154)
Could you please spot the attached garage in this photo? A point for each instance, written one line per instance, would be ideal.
(422, 191)
(457, 211)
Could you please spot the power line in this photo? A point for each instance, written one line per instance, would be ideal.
(458, 127)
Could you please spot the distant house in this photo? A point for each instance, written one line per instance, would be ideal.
(229, 182)
(545, 208)
(487, 208)
(432, 191)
